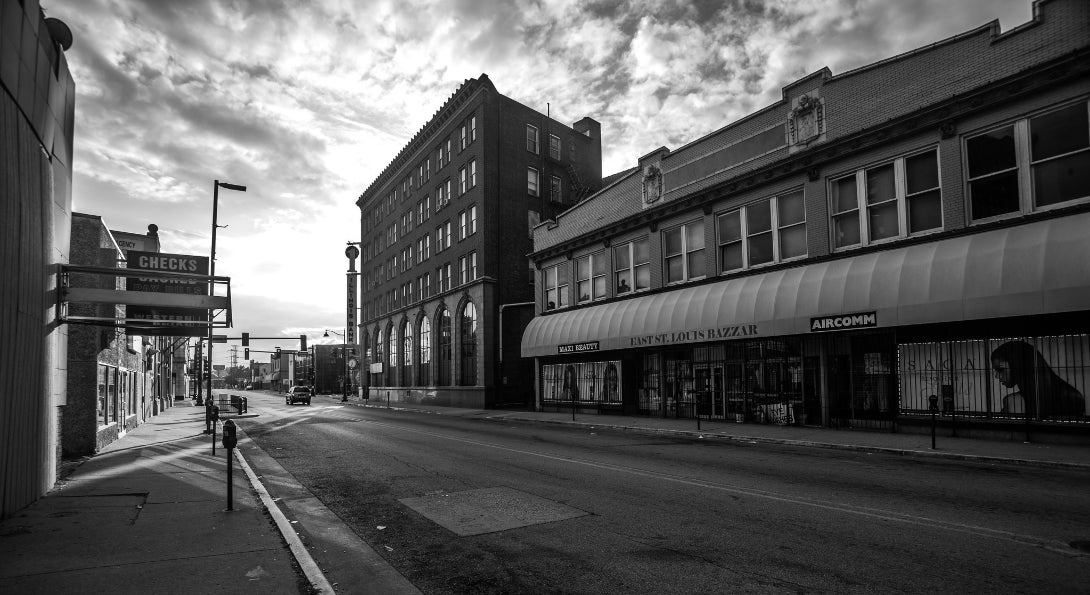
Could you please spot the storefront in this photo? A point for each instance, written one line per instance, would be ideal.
(987, 323)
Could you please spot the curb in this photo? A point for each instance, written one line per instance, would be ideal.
(310, 568)
(765, 440)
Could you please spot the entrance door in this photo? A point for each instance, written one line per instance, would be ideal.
(679, 397)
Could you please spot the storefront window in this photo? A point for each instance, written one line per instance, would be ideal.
(468, 340)
(407, 354)
(425, 352)
(584, 383)
(444, 348)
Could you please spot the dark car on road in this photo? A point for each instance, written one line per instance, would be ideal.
(297, 394)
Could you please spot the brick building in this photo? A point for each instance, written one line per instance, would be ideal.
(446, 229)
(909, 234)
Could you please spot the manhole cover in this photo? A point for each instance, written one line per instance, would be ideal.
(487, 510)
(1081, 545)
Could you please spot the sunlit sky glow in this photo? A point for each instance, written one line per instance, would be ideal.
(305, 102)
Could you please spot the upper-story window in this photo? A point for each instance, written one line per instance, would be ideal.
(440, 238)
(472, 224)
(1031, 164)
(531, 139)
(768, 230)
(554, 189)
(888, 201)
(462, 222)
(463, 180)
(590, 277)
(441, 196)
(450, 150)
(472, 128)
(631, 267)
(464, 142)
(473, 173)
(440, 154)
(554, 147)
(556, 286)
(532, 181)
(683, 252)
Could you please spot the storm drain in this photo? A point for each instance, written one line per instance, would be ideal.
(488, 510)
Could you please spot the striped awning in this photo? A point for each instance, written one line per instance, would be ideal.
(1038, 268)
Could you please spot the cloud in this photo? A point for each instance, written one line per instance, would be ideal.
(307, 102)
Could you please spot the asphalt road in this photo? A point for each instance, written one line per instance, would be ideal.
(463, 505)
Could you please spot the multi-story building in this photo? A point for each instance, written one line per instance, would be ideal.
(445, 280)
(909, 235)
(37, 108)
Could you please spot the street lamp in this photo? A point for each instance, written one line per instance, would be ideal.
(344, 352)
(212, 265)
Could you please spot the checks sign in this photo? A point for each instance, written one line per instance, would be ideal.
(170, 317)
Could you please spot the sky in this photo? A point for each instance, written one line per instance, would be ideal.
(305, 102)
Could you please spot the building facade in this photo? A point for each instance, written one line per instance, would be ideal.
(905, 237)
(37, 105)
(446, 287)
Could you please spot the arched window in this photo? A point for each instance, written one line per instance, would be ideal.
(364, 362)
(391, 344)
(424, 360)
(406, 353)
(379, 349)
(468, 339)
(444, 348)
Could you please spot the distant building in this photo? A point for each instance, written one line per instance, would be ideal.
(445, 280)
(909, 233)
(37, 107)
(330, 369)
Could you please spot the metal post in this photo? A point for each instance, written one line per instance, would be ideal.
(230, 481)
(211, 282)
(344, 352)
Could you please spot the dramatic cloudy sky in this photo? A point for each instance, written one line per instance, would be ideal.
(305, 102)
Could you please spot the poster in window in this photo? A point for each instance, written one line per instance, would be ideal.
(1041, 377)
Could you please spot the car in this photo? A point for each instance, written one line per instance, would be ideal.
(297, 394)
(249, 387)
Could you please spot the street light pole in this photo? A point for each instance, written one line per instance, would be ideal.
(212, 265)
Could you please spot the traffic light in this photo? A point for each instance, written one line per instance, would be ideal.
(246, 353)
(277, 356)
(245, 339)
(302, 342)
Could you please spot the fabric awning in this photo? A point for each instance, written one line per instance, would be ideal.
(1037, 268)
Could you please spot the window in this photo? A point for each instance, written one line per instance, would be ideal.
(684, 252)
(446, 235)
(556, 286)
(468, 328)
(439, 154)
(441, 197)
(463, 180)
(554, 147)
(444, 347)
(590, 277)
(1033, 163)
(531, 139)
(462, 222)
(464, 136)
(472, 128)
(450, 150)
(472, 219)
(423, 209)
(424, 357)
(888, 201)
(392, 346)
(532, 181)
(473, 266)
(444, 273)
(380, 345)
(554, 189)
(473, 173)
(631, 261)
(447, 190)
(407, 354)
(463, 270)
(440, 234)
(768, 230)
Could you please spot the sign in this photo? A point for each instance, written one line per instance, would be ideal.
(219, 366)
(578, 347)
(699, 335)
(174, 263)
(843, 322)
(376, 368)
(219, 338)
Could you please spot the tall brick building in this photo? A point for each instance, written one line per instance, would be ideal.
(445, 280)
(907, 235)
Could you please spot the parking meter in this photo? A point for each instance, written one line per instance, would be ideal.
(230, 440)
(934, 400)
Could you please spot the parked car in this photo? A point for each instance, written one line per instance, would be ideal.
(249, 387)
(297, 394)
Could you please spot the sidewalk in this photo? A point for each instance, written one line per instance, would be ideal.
(919, 445)
(148, 514)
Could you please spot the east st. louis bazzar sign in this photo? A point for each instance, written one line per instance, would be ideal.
(171, 263)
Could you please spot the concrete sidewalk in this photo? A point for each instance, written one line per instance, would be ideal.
(917, 445)
(148, 514)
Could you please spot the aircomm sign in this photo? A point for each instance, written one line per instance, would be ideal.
(843, 322)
